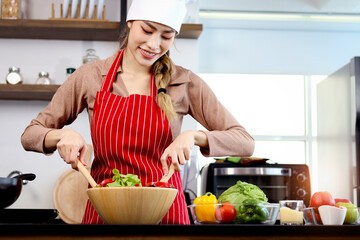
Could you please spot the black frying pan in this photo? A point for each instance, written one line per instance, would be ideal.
(10, 188)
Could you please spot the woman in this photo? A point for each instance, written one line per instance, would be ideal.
(136, 100)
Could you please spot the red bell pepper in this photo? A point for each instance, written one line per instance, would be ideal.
(105, 182)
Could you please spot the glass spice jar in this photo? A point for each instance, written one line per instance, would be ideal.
(43, 78)
(90, 56)
(14, 76)
(10, 9)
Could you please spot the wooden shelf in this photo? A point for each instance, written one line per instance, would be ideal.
(63, 30)
(75, 30)
(27, 91)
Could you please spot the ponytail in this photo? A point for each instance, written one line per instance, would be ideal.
(163, 69)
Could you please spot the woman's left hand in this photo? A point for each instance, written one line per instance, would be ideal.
(180, 149)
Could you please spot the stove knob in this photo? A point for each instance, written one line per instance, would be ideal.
(301, 177)
(301, 192)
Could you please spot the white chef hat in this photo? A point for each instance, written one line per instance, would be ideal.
(168, 12)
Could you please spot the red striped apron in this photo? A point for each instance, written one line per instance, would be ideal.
(130, 134)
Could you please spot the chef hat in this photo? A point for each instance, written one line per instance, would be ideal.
(168, 12)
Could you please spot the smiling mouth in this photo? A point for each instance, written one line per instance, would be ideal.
(147, 54)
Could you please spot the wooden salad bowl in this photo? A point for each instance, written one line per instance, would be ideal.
(132, 205)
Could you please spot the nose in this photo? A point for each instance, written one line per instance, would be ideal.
(154, 42)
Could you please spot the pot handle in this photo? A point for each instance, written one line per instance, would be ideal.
(24, 177)
(13, 173)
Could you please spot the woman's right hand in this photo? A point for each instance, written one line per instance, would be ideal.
(70, 145)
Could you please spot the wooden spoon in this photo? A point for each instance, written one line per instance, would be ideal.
(86, 174)
(166, 177)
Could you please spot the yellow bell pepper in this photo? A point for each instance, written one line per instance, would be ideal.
(206, 206)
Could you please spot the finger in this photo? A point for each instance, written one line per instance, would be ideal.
(187, 153)
(175, 162)
(66, 155)
(182, 160)
(82, 156)
(73, 158)
(164, 164)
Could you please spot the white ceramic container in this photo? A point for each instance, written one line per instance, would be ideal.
(100, 9)
(331, 215)
(83, 8)
(74, 8)
(91, 9)
(65, 8)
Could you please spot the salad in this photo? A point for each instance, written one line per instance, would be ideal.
(121, 180)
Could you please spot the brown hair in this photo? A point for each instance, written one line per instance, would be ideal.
(163, 69)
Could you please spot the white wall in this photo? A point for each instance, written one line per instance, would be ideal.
(266, 47)
(53, 56)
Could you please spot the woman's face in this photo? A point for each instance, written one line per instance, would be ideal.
(148, 41)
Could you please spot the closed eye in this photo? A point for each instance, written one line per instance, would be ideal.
(145, 31)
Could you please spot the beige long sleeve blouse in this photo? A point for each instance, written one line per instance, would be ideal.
(189, 92)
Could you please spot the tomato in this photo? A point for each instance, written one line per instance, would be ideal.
(337, 200)
(226, 213)
(321, 198)
(318, 199)
(317, 217)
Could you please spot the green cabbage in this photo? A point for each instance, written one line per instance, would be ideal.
(241, 191)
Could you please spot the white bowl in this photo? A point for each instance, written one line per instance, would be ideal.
(331, 215)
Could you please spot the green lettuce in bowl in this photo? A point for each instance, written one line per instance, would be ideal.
(121, 180)
(240, 192)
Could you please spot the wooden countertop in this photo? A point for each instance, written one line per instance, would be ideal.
(209, 232)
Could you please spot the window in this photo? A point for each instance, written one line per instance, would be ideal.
(277, 110)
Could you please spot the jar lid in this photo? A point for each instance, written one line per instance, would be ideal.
(14, 69)
(70, 70)
(90, 51)
(43, 74)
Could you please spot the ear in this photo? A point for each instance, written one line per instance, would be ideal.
(129, 24)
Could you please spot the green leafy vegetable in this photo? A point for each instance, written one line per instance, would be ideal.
(241, 191)
(121, 180)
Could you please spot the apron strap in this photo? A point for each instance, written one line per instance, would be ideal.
(109, 79)
(106, 86)
(153, 90)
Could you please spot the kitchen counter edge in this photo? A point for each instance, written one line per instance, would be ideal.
(175, 230)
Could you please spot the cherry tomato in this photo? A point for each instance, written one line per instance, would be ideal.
(321, 198)
(226, 213)
(317, 217)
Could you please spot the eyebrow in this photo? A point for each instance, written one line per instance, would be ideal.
(153, 27)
